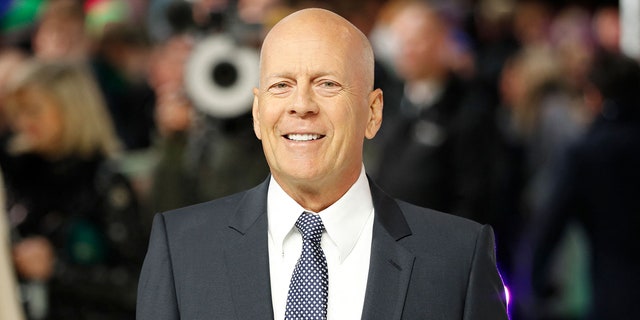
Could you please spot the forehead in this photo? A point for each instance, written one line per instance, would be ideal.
(296, 48)
(306, 46)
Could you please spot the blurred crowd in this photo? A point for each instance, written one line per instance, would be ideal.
(523, 114)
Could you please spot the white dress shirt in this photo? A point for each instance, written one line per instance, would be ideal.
(346, 243)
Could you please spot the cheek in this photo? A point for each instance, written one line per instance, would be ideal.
(351, 123)
(267, 118)
(271, 109)
(28, 125)
(51, 127)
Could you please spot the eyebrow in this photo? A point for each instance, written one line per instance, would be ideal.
(290, 75)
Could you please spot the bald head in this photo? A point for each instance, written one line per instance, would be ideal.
(315, 105)
(327, 27)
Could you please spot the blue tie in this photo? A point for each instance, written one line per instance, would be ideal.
(309, 288)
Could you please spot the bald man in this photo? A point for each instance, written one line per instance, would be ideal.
(238, 257)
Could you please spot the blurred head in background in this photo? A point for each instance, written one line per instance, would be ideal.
(613, 86)
(56, 110)
(61, 32)
(422, 38)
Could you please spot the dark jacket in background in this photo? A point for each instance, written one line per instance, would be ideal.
(439, 156)
(599, 186)
(90, 214)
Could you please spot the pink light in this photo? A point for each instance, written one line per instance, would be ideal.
(507, 295)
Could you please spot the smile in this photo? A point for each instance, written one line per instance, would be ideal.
(303, 136)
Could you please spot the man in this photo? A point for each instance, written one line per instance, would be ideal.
(597, 187)
(234, 258)
(437, 149)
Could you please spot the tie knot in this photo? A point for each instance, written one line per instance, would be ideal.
(310, 225)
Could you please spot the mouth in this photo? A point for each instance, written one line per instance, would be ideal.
(303, 136)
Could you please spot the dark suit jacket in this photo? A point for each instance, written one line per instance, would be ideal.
(598, 186)
(440, 155)
(211, 261)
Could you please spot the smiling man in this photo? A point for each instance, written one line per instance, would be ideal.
(317, 239)
(315, 105)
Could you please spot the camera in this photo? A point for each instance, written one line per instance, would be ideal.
(220, 75)
(223, 66)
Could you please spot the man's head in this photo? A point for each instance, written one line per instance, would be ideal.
(61, 32)
(614, 82)
(422, 36)
(315, 105)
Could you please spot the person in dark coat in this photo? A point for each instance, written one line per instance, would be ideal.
(598, 186)
(435, 152)
(75, 226)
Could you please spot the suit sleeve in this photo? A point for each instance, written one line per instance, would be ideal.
(485, 298)
(156, 288)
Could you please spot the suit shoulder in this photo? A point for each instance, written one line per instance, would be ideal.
(420, 217)
(434, 228)
(214, 211)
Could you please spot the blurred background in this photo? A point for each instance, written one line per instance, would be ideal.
(523, 114)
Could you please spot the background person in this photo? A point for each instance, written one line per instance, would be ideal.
(60, 32)
(9, 294)
(597, 187)
(437, 149)
(75, 220)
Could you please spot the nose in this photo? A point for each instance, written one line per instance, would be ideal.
(304, 103)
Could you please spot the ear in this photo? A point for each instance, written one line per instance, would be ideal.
(376, 104)
(255, 112)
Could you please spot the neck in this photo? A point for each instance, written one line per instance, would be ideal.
(316, 196)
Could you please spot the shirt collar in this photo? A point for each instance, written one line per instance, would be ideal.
(344, 220)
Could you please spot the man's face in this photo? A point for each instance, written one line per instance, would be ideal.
(420, 43)
(57, 39)
(313, 110)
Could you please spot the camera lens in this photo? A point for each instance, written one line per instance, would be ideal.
(224, 74)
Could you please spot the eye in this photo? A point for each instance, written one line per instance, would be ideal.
(326, 87)
(329, 84)
(279, 87)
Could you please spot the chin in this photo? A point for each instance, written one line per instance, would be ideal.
(301, 173)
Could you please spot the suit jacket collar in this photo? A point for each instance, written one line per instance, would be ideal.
(391, 264)
(248, 258)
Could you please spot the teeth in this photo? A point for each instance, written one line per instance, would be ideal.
(303, 136)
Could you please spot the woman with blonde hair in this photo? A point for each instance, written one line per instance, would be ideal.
(76, 220)
(85, 128)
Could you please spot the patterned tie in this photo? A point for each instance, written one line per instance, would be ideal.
(308, 291)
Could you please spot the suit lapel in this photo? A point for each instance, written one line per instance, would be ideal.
(391, 264)
(247, 257)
